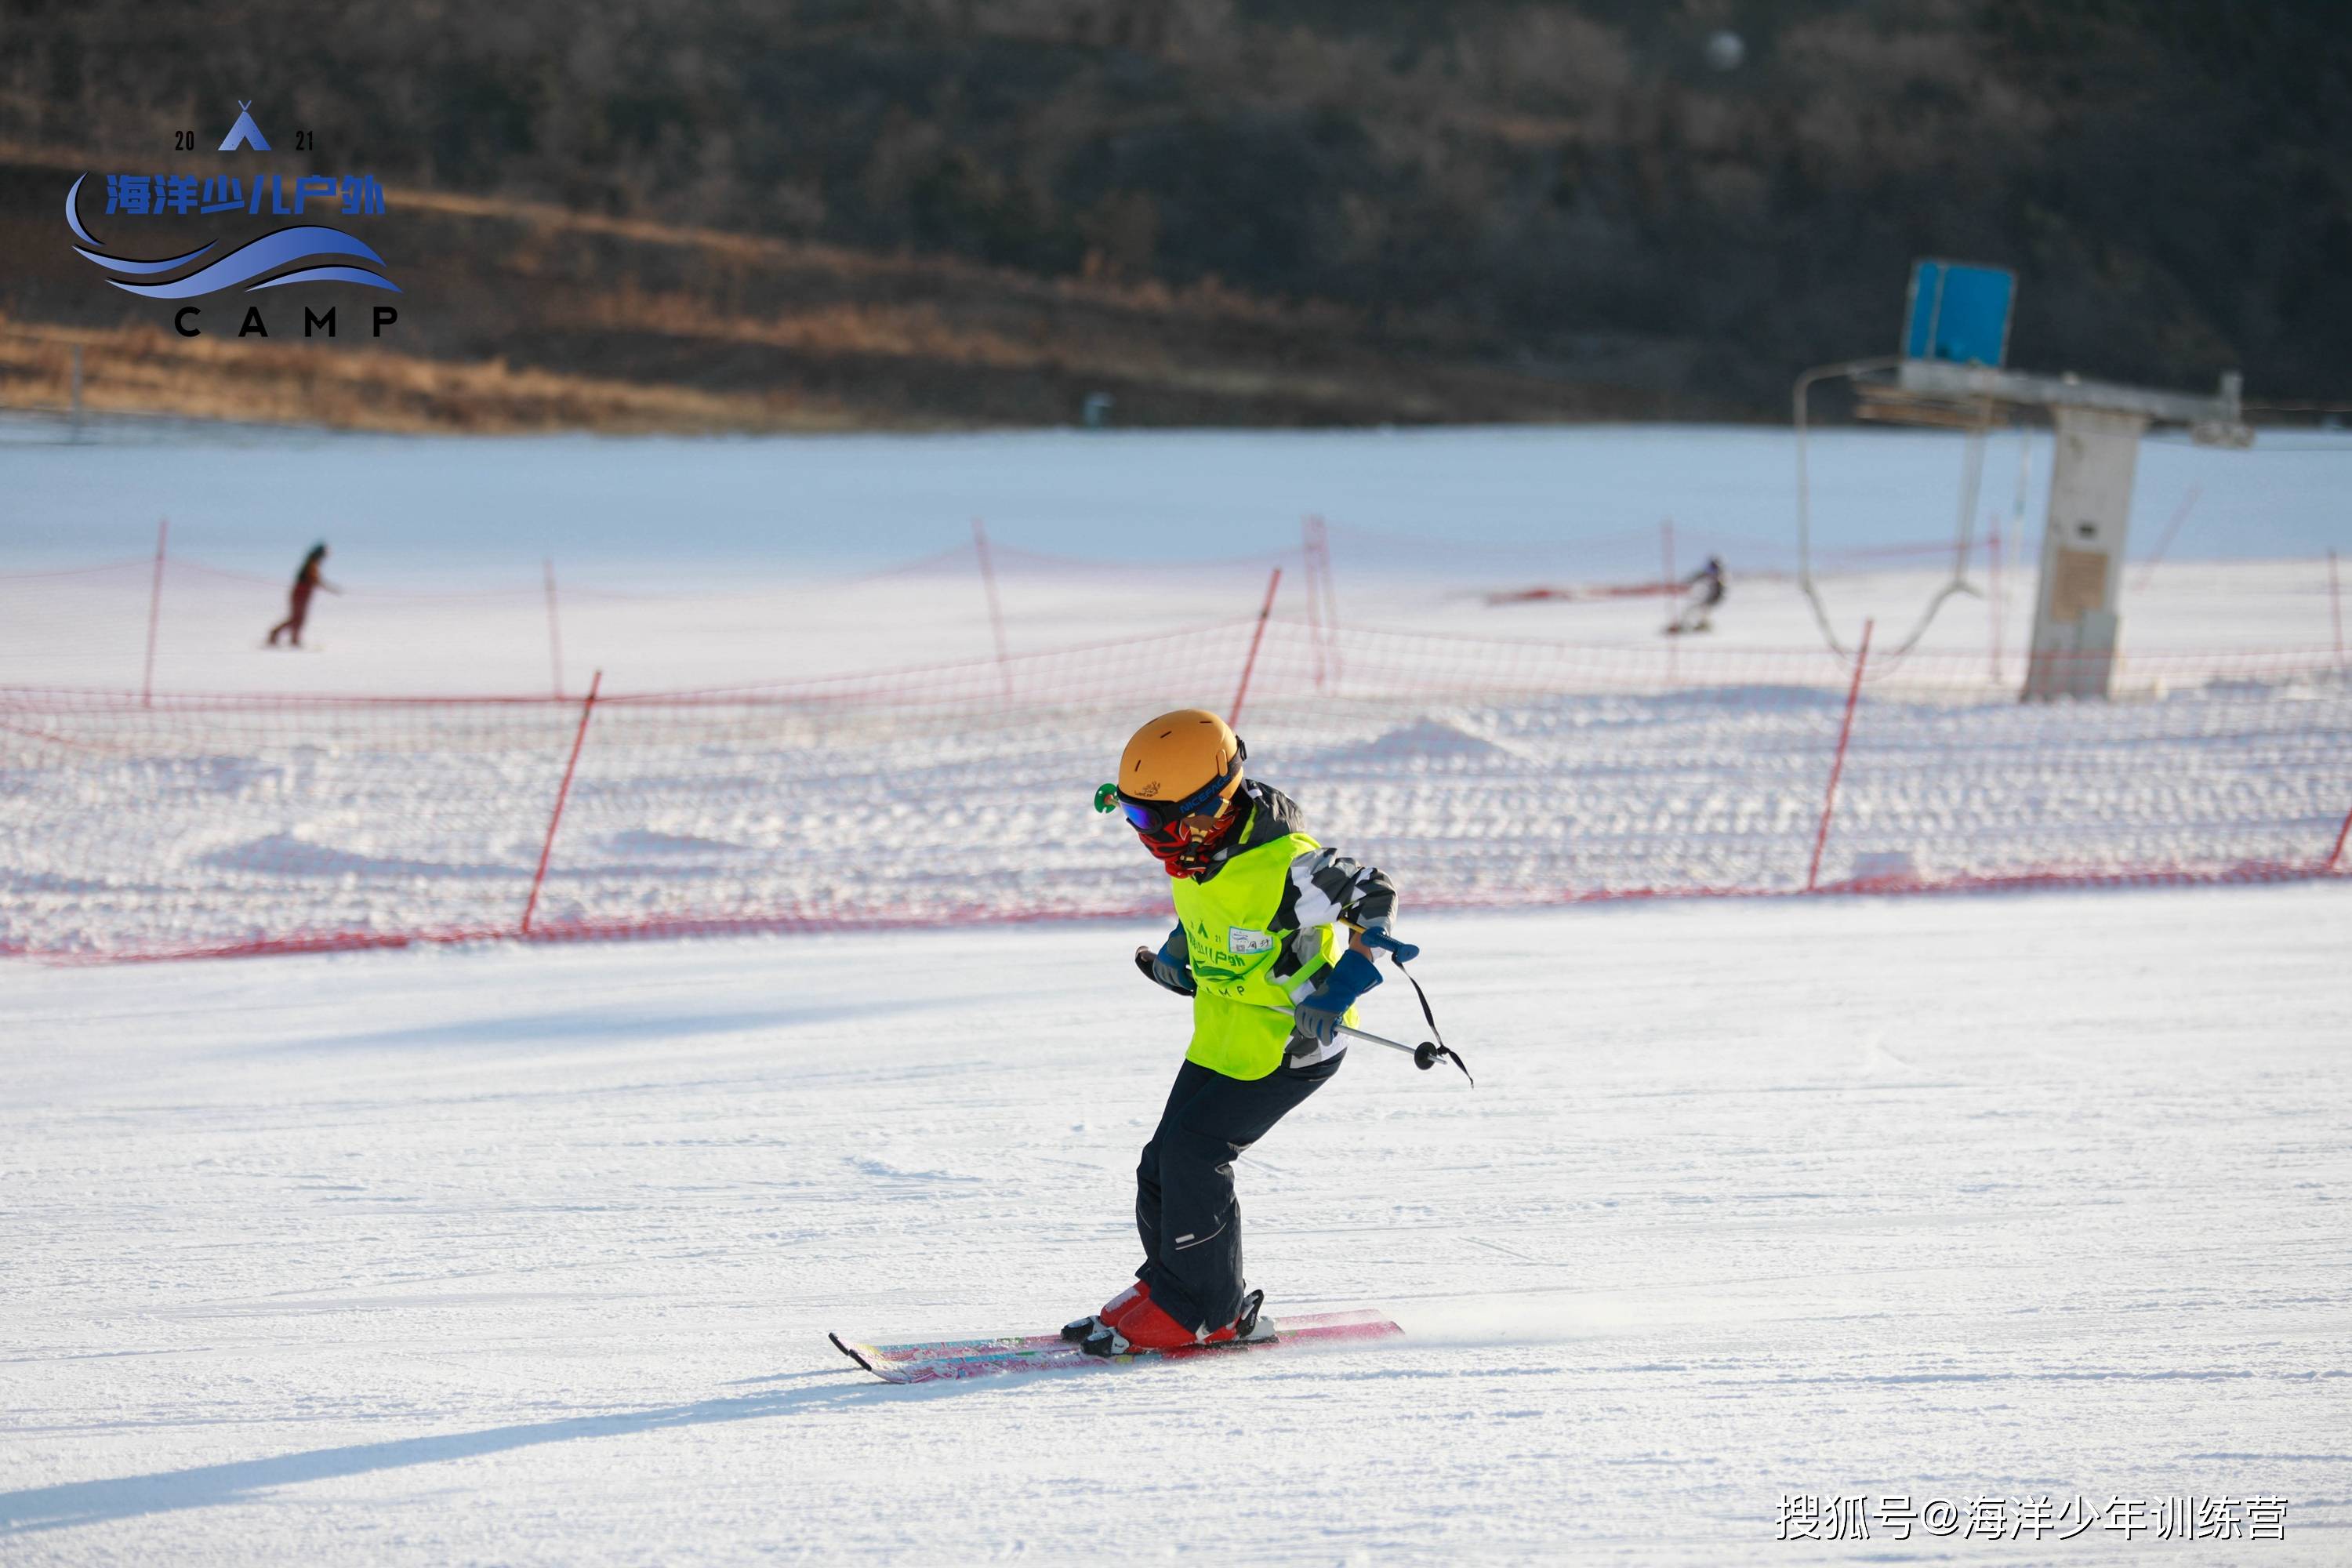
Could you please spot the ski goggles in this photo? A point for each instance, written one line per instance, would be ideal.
(1158, 816)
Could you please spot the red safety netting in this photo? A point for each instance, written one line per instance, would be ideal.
(1479, 771)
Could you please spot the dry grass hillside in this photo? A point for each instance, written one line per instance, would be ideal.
(525, 316)
(954, 212)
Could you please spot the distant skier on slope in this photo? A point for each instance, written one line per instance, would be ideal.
(307, 582)
(1255, 943)
(1698, 616)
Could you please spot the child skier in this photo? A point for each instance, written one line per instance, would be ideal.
(1255, 944)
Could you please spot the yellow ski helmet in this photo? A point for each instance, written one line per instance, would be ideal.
(1181, 764)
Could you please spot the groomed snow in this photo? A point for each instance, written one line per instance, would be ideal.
(698, 562)
(146, 832)
(517, 1254)
(527, 1255)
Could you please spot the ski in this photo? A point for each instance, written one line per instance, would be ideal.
(936, 1361)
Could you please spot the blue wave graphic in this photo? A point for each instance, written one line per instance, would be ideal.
(125, 264)
(251, 260)
(73, 217)
(118, 263)
(242, 265)
(332, 275)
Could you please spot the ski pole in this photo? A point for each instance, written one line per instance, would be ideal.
(1425, 1055)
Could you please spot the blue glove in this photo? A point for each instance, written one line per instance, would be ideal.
(1172, 964)
(1319, 1016)
(1378, 936)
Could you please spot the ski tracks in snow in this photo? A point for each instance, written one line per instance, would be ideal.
(1749, 1200)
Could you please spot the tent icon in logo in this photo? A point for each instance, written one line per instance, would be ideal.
(244, 132)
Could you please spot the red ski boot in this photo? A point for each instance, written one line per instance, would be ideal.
(1146, 1326)
(1117, 1307)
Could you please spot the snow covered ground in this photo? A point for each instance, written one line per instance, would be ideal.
(145, 833)
(519, 1254)
(1132, 495)
(718, 562)
(526, 1256)
(487, 633)
(254, 499)
(1480, 762)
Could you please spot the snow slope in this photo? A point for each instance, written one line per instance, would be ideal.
(255, 497)
(687, 563)
(487, 633)
(526, 1256)
(144, 834)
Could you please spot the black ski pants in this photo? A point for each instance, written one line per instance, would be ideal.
(1185, 1210)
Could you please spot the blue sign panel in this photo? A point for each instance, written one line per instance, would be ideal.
(1959, 313)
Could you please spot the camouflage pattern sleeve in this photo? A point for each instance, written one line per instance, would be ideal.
(1327, 888)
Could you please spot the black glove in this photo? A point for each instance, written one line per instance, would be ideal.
(1319, 1016)
(1172, 964)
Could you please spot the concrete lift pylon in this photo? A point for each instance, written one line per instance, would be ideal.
(2077, 606)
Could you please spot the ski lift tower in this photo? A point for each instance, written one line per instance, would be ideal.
(1951, 372)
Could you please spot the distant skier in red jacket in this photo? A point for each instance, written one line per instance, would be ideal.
(307, 582)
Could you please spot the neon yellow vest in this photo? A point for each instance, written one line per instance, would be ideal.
(1228, 922)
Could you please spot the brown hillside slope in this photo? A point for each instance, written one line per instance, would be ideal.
(1561, 191)
(520, 316)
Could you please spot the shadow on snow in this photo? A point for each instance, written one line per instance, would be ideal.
(210, 1486)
